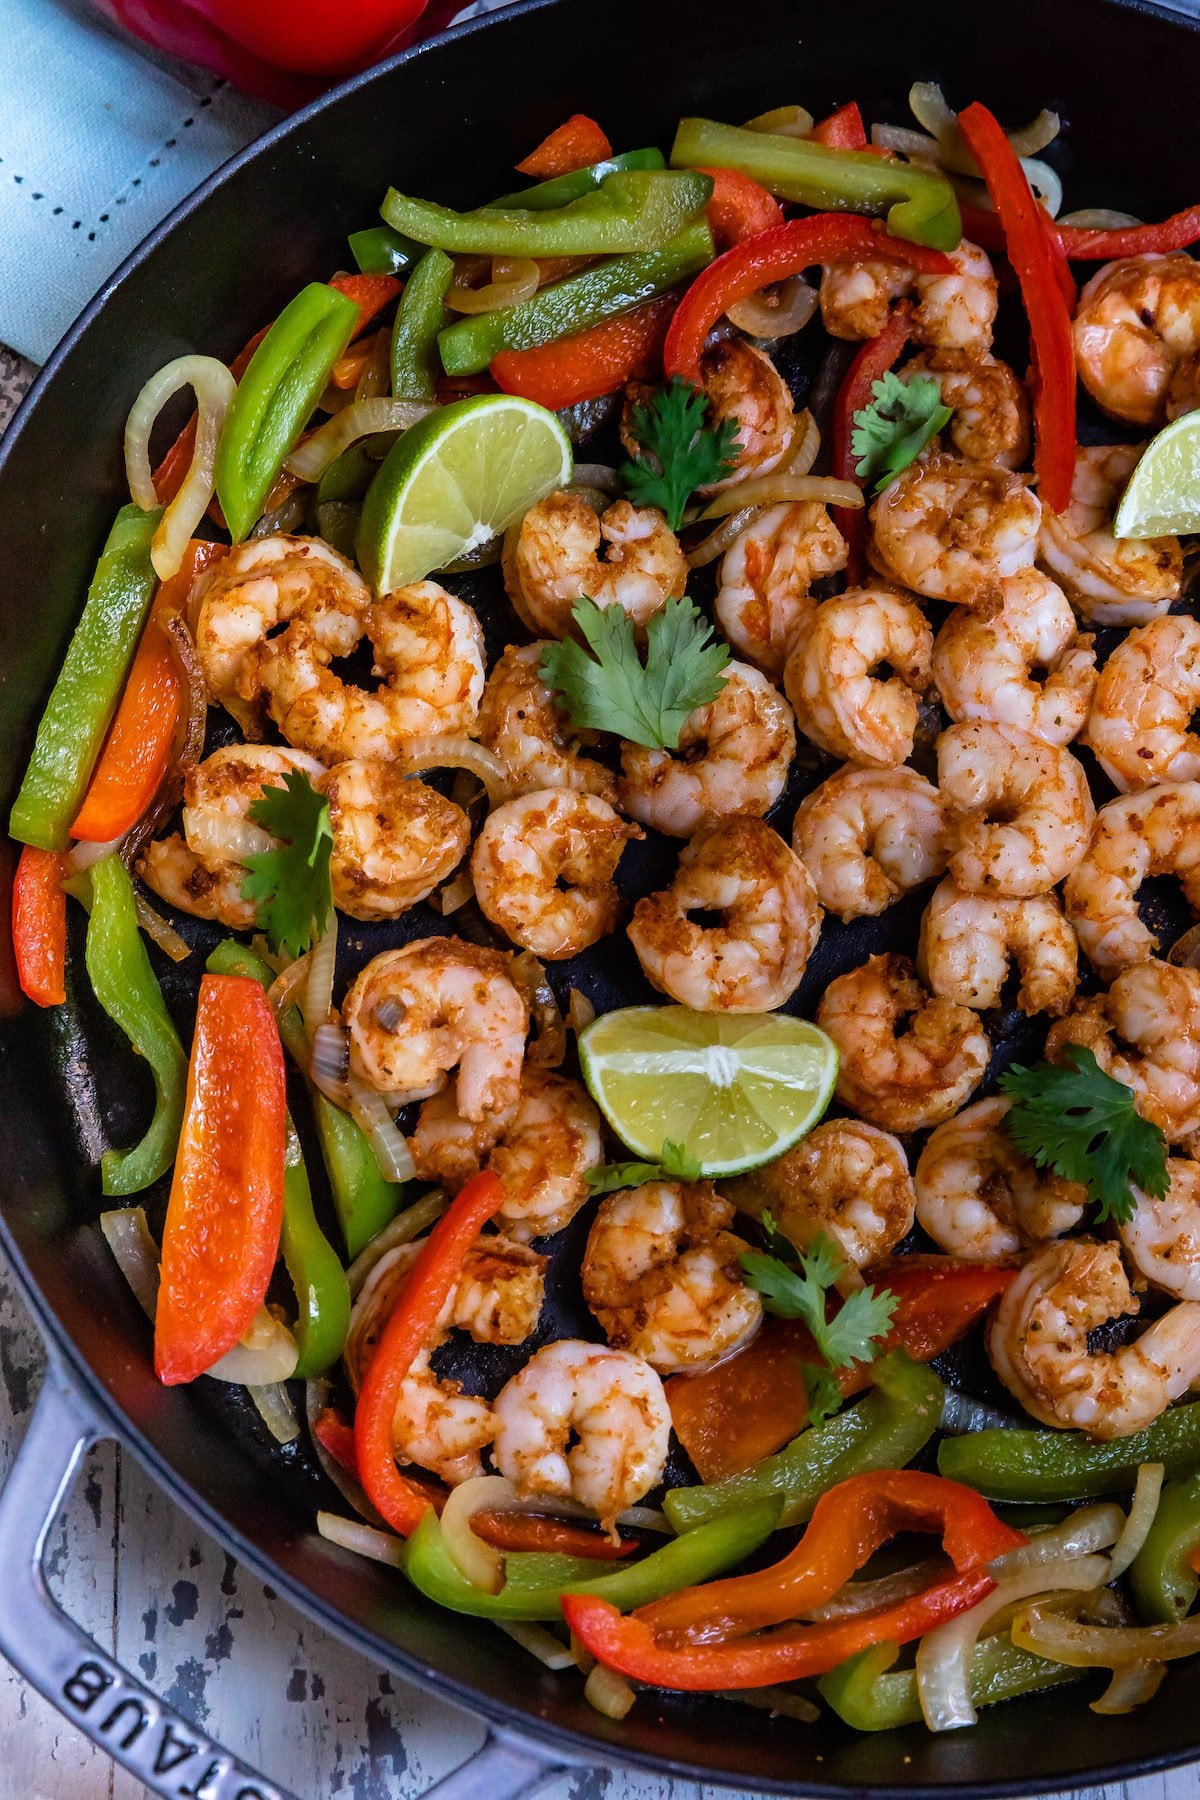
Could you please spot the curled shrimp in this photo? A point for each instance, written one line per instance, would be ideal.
(753, 960)
(1023, 663)
(843, 703)
(1145, 1032)
(1162, 1236)
(744, 389)
(766, 576)
(908, 1059)
(733, 757)
(1037, 1340)
(955, 311)
(991, 422)
(394, 839)
(868, 836)
(543, 868)
(980, 1199)
(1023, 809)
(661, 1274)
(969, 940)
(539, 747)
(1109, 580)
(1137, 337)
(1136, 836)
(552, 557)
(847, 1180)
(1146, 694)
(954, 530)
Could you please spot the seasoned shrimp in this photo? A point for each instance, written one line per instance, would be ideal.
(847, 1180)
(435, 1005)
(1162, 1239)
(733, 757)
(842, 701)
(1038, 1344)
(1024, 810)
(954, 530)
(1145, 1032)
(908, 1059)
(539, 747)
(1109, 580)
(980, 1199)
(868, 836)
(954, 311)
(552, 557)
(394, 839)
(1137, 337)
(1156, 832)
(1145, 697)
(766, 575)
(662, 1276)
(543, 868)
(753, 960)
(1025, 664)
(744, 389)
(991, 407)
(968, 942)
(583, 1422)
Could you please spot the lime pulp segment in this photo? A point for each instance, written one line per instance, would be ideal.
(1163, 495)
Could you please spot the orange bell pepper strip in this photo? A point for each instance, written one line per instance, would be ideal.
(370, 293)
(574, 144)
(739, 207)
(39, 926)
(842, 130)
(536, 1531)
(221, 1236)
(401, 1499)
(591, 363)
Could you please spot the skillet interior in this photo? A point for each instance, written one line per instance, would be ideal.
(443, 122)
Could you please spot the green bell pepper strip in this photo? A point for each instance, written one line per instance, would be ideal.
(284, 379)
(1065, 1465)
(315, 1270)
(635, 209)
(124, 984)
(84, 698)
(420, 315)
(381, 251)
(576, 303)
(349, 477)
(884, 1430)
(1163, 1580)
(562, 189)
(867, 1694)
(920, 205)
(535, 1581)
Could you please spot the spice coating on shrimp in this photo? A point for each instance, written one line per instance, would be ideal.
(1162, 1238)
(1109, 580)
(765, 578)
(980, 1199)
(1155, 832)
(954, 530)
(1137, 337)
(1146, 694)
(552, 557)
(543, 868)
(1023, 662)
(521, 724)
(743, 389)
(869, 836)
(394, 838)
(968, 942)
(847, 1180)
(1144, 1032)
(954, 311)
(991, 422)
(1023, 809)
(842, 703)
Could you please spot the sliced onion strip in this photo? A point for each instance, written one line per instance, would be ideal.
(718, 542)
(478, 1562)
(780, 1700)
(1130, 1688)
(159, 931)
(274, 1407)
(214, 388)
(318, 983)
(784, 121)
(549, 1044)
(266, 1354)
(458, 753)
(775, 489)
(539, 1642)
(127, 1235)
(362, 418)
(370, 1113)
(930, 109)
(364, 1540)
(514, 279)
(1146, 1494)
(1069, 1640)
(777, 311)
(608, 1693)
(961, 1413)
(580, 1011)
(868, 1596)
(317, 1396)
(407, 1225)
(285, 988)
(1099, 218)
(806, 442)
(1086, 1531)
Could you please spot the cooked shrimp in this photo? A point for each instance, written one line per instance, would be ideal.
(847, 1180)
(551, 558)
(1109, 580)
(842, 701)
(770, 919)
(1145, 697)
(438, 1004)
(1162, 1239)
(1025, 664)
(1156, 832)
(968, 942)
(868, 836)
(954, 312)
(1038, 1344)
(1137, 337)
(908, 1059)
(543, 868)
(662, 1276)
(979, 1198)
(583, 1422)
(857, 297)
(1145, 1032)
(991, 407)
(394, 839)
(733, 757)
(1024, 809)
(745, 389)
(954, 530)
(766, 575)
(539, 747)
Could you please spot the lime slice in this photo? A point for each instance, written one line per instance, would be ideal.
(735, 1089)
(1163, 496)
(453, 481)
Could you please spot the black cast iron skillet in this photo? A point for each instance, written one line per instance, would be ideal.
(449, 120)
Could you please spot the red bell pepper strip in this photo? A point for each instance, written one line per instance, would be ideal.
(336, 1438)
(537, 1531)
(842, 130)
(221, 1237)
(591, 363)
(871, 362)
(572, 145)
(1081, 244)
(739, 207)
(772, 256)
(1029, 251)
(39, 926)
(412, 1322)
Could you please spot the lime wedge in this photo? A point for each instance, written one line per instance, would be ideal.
(735, 1089)
(1163, 496)
(453, 481)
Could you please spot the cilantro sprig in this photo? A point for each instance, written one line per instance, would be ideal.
(1083, 1124)
(677, 451)
(674, 1164)
(892, 431)
(612, 689)
(290, 888)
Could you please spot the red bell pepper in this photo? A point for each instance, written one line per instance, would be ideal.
(1082, 244)
(592, 362)
(336, 1438)
(572, 145)
(871, 362)
(772, 256)
(537, 1531)
(842, 130)
(39, 926)
(1038, 273)
(370, 293)
(739, 207)
(224, 1216)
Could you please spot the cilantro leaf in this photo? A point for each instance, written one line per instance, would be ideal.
(1083, 1124)
(893, 430)
(290, 887)
(674, 1164)
(822, 1392)
(799, 1293)
(613, 690)
(677, 451)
